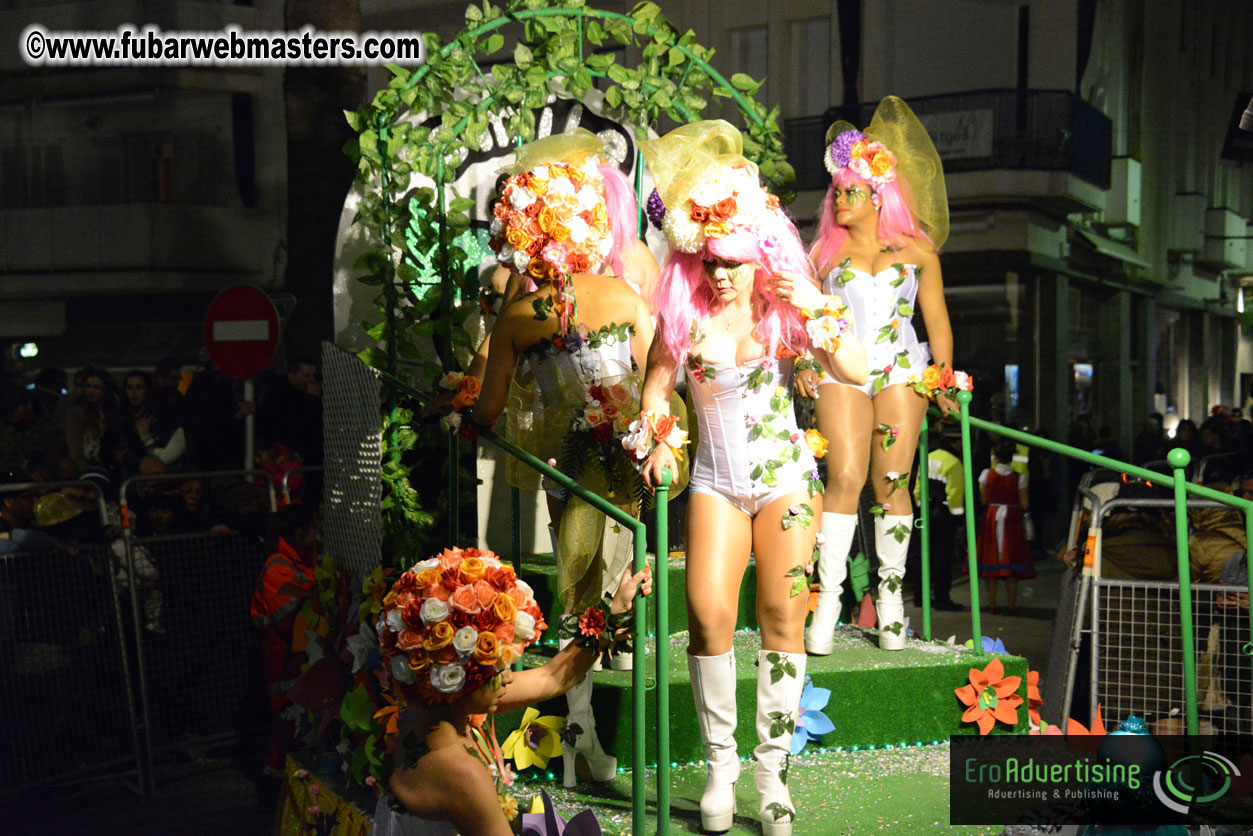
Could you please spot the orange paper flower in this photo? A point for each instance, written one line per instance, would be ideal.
(990, 696)
(439, 635)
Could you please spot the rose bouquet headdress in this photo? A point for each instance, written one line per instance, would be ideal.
(552, 218)
(706, 188)
(453, 622)
(894, 148)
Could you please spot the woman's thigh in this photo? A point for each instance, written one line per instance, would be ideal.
(719, 537)
(782, 555)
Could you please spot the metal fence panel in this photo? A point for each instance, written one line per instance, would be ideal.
(202, 671)
(352, 530)
(1138, 664)
(69, 712)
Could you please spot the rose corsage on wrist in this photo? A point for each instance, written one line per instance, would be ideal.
(598, 627)
(943, 380)
(827, 324)
(651, 429)
(465, 389)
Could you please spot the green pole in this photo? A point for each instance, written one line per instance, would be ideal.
(972, 555)
(638, 685)
(1178, 460)
(662, 582)
(515, 538)
(924, 526)
(640, 222)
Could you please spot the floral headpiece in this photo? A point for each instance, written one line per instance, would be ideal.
(894, 147)
(706, 187)
(870, 160)
(552, 220)
(453, 622)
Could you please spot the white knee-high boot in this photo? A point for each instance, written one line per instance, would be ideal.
(581, 732)
(713, 689)
(780, 680)
(837, 539)
(892, 554)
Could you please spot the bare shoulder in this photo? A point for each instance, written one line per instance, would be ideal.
(923, 255)
(441, 783)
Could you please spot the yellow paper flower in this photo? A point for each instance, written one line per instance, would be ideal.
(535, 741)
(816, 443)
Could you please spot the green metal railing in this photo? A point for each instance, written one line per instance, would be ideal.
(639, 683)
(1178, 460)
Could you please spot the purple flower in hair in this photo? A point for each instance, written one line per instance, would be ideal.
(843, 145)
(656, 209)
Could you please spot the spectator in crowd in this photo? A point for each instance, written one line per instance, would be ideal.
(166, 380)
(1003, 550)
(278, 461)
(150, 425)
(1217, 462)
(286, 582)
(27, 428)
(291, 411)
(1107, 444)
(946, 486)
(1149, 442)
(1187, 437)
(215, 427)
(91, 432)
(193, 512)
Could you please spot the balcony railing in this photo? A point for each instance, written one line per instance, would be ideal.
(1043, 130)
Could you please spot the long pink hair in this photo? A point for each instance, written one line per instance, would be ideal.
(623, 215)
(897, 225)
(684, 296)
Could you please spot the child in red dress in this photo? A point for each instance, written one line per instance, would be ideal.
(1003, 549)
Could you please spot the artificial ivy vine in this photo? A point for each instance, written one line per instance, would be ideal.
(425, 257)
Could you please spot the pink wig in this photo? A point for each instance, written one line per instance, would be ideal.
(623, 215)
(897, 224)
(684, 296)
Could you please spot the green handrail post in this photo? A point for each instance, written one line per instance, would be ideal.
(1179, 459)
(515, 539)
(924, 526)
(638, 686)
(972, 552)
(640, 223)
(661, 499)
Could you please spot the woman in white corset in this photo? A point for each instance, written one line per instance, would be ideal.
(882, 224)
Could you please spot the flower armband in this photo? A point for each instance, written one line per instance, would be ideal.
(651, 429)
(465, 387)
(943, 380)
(808, 364)
(826, 325)
(598, 627)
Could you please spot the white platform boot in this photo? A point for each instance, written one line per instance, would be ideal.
(837, 539)
(580, 736)
(713, 689)
(892, 555)
(780, 680)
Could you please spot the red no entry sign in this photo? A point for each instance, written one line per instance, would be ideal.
(241, 331)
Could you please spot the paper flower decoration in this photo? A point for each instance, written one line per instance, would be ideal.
(1073, 726)
(989, 645)
(989, 696)
(535, 741)
(544, 821)
(811, 723)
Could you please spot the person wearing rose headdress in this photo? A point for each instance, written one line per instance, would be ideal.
(450, 629)
(882, 223)
(583, 336)
(754, 484)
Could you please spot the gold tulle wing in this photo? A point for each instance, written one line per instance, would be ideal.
(572, 147)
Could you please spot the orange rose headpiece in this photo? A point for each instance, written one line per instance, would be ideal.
(552, 218)
(452, 622)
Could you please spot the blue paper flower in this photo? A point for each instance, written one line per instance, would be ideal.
(811, 723)
(989, 645)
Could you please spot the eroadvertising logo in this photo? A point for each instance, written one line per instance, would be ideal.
(1117, 779)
